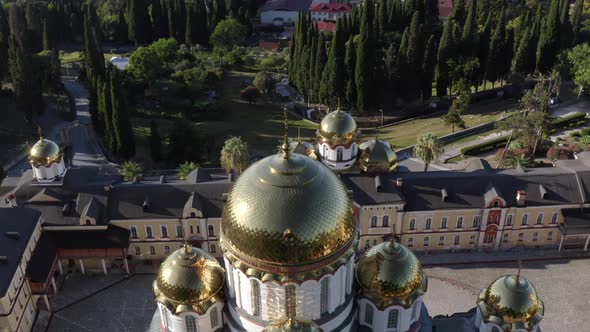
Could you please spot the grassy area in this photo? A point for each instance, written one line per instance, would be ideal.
(76, 56)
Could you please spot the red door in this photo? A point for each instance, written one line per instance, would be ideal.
(490, 234)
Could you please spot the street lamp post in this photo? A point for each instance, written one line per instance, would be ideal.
(380, 110)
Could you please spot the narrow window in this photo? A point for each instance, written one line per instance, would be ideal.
(152, 250)
(339, 153)
(133, 232)
(192, 229)
(525, 219)
(374, 242)
(211, 230)
(410, 242)
(214, 318)
(457, 240)
(441, 241)
(256, 304)
(374, 221)
(509, 220)
(291, 301)
(148, 230)
(164, 231)
(554, 218)
(392, 319)
(549, 236)
(325, 295)
(472, 239)
(520, 237)
(369, 314)
(137, 251)
(443, 223)
(505, 237)
(213, 249)
(426, 241)
(179, 231)
(540, 219)
(167, 250)
(428, 223)
(198, 229)
(475, 221)
(385, 221)
(191, 324)
(367, 244)
(535, 236)
(412, 224)
(460, 222)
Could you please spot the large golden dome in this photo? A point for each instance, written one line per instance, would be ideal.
(511, 300)
(289, 214)
(189, 278)
(293, 325)
(391, 274)
(377, 156)
(338, 125)
(44, 152)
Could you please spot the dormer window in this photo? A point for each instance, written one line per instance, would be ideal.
(496, 203)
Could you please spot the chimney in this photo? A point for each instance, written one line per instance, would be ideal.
(12, 235)
(520, 197)
(399, 183)
(162, 179)
(378, 183)
(146, 203)
(11, 200)
(444, 194)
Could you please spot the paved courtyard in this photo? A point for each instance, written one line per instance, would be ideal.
(562, 285)
(127, 306)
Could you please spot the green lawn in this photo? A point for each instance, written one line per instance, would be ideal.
(76, 56)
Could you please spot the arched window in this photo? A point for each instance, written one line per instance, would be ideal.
(191, 324)
(325, 151)
(179, 231)
(290, 301)
(392, 320)
(133, 232)
(325, 295)
(211, 230)
(214, 318)
(354, 149)
(385, 221)
(412, 224)
(495, 329)
(374, 221)
(459, 222)
(339, 153)
(443, 223)
(256, 304)
(369, 314)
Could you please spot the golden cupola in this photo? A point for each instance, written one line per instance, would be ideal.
(390, 274)
(44, 153)
(293, 325)
(189, 280)
(377, 156)
(338, 127)
(287, 214)
(511, 302)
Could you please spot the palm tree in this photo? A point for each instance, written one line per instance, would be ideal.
(130, 170)
(234, 155)
(186, 168)
(428, 148)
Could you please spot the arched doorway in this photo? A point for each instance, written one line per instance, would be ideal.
(490, 234)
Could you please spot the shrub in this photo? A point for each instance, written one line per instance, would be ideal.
(585, 140)
(575, 134)
(558, 153)
(585, 131)
(485, 146)
(558, 139)
(572, 119)
(575, 148)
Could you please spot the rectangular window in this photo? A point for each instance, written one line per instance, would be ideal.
(520, 237)
(410, 242)
(192, 229)
(213, 249)
(535, 236)
(441, 240)
(549, 236)
(509, 220)
(460, 222)
(472, 239)
(148, 230)
(412, 224)
(369, 314)
(291, 301)
(164, 231)
(457, 240)
(167, 250)
(374, 221)
(443, 223)
(137, 251)
(152, 250)
(554, 218)
(525, 219)
(426, 241)
(428, 223)
(198, 229)
(475, 221)
(179, 231)
(211, 231)
(133, 232)
(505, 237)
(392, 319)
(324, 295)
(374, 242)
(540, 219)
(256, 304)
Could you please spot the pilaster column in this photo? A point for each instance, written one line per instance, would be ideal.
(82, 266)
(104, 266)
(53, 285)
(126, 265)
(561, 243)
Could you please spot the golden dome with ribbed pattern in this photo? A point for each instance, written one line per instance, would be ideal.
(391, 274)
(288, 212)
(337, 125)
(511, 300)
(44, 152)
(189, 277)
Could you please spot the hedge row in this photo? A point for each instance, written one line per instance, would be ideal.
(568, 121)
(486, 146)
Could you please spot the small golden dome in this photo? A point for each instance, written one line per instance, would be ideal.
(511, 299)
(189, 276)
(339, 126)
(293, 325)
(377, 156)
(285, 212)
(391, 274)
(44, 152)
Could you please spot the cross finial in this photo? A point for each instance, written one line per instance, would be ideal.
(299, 134)
(519, 262)
(392, 240)
(338, 105)
(285, 148)
(40, 133)
(187, 247)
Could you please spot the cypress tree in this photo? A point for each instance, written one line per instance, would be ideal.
(549, 41)
(565, 28)
(469, 36)
(459, 14)
(494, 66)
(576, 21)
(320, 62)
(157, 19)
(428, 68)
(332, 86)
(170, 18)
(46, 38)
(4, 34)
(445, 53)
(180, 17)
(365, 60)
(482, 9)
(122, 29)
(107, 114)
(350, 64)
(139, 25)
(403, 71)
(155, 142)
(414, 57)
(483, 48)
(431, 16)
(313, 94)
(124, 145)
(521, 60)
(189, 35)
(201, 35)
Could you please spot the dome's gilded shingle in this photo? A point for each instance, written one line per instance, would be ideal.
(377, 156)
(337, 126)
(189, 277)
(511, 300)
(288, 212)
(391, 274)
(44, 152)
(293, 325)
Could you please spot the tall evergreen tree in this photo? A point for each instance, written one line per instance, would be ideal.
(459, 12)
(350, 65)
(428, 67)
(189, 35)
(415, 57)
(104, 96)
(332, 87)
(365, 61)
(576, 21)
(46, 38)
(445, 53)
(4, 34)
(320, 62)
(138, 21)
(123, 132)
(483, 48)
(200, 31)
(565, 27)
(549, 41)
(27, 89)
(521, 63)
(482, 9)
(121, 31)
(469, 36)
(157, 19)
(155, 142)
(496, 54)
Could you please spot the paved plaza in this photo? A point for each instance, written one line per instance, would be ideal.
(562, 285)
(127, 306)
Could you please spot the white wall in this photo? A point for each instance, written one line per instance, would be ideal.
(329, 155)
(43, 173)
(268, 17)
(405, 317)
(176, 323)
